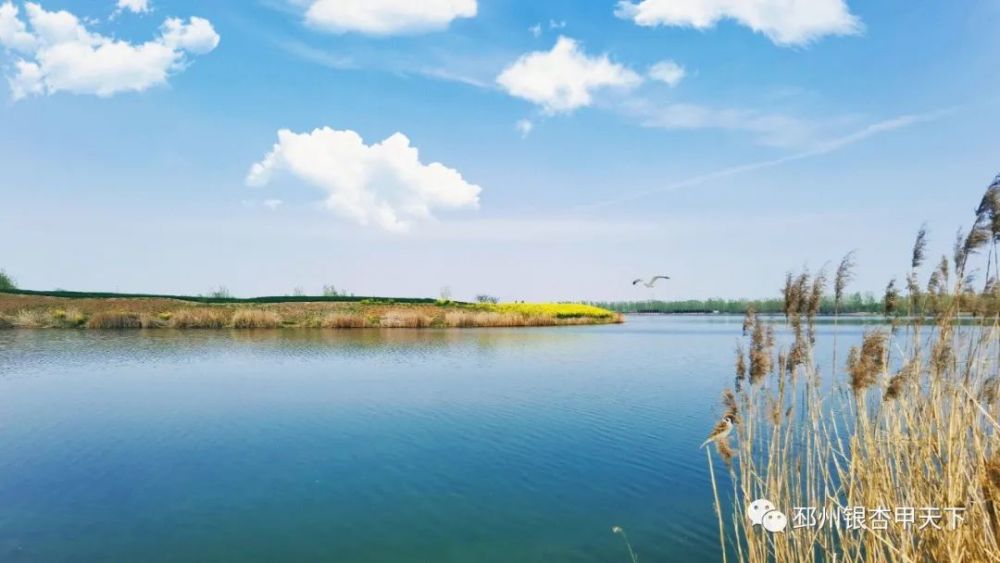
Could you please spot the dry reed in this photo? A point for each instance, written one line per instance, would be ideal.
(119, 320)
(404, 319)
(472, 319)
(199, 318)
(343, 320)
(30, 318)
(845, 273)
(925, 438)
(255, 318)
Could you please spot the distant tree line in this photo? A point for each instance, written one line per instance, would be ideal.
(856, 303)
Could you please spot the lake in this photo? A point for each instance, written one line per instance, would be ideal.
(478, 445)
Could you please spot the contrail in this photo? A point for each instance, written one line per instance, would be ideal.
(825, 147)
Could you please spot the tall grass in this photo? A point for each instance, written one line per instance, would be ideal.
(121, 320)
(199, 318)
(405, 319)
(344, 320)
(471, 319)
(255, 318)
(30, 318)
(910, 422)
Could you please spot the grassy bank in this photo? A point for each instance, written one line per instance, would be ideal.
(893, 452)
(34, 310)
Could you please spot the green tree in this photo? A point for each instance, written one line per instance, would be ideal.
(221, 293)
(6, 282)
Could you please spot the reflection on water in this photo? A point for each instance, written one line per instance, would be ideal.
(362, 445)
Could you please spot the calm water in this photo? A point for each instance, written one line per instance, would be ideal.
(500, 445)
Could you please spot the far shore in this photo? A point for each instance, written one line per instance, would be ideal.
(48, 311)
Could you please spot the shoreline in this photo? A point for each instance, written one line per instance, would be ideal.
(20, 311)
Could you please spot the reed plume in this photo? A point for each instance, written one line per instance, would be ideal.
(864, 365)
(814, 302)
(897, 383)
(761, 343)
(741, 363)
(845, 273)
(788, 292)
(890, 301)
(748, 318)
(919, 248)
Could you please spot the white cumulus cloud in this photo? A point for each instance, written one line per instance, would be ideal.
(667, 72)
(134, 6)
(563, 79)
(785, 22)
(384, 184)
(58, 54)
(13, 32)
(387, 17)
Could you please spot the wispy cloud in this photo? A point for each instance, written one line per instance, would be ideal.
(668, 72)
(401, 65)
(533, 230)
(826, 147)
(524, 126)
(771, 129)
(318, 56)
(451, 75)
(271, 204)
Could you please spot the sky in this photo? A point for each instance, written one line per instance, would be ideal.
(529, 150)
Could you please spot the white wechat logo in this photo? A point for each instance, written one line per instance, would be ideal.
(763, 512)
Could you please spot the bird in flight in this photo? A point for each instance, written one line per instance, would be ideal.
(721, 430)
(652, 281)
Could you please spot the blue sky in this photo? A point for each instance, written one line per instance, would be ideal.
(767, 139)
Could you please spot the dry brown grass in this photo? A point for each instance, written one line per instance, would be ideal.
(926, 436)
(119, 320)
(255, 318)
(344, 320)
(123, 320)
(405, 319)
(54, 312)
(471, 319)
(32, 318)
(204, 317)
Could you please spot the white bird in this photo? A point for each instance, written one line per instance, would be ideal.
(652, 281)
(721, 431)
